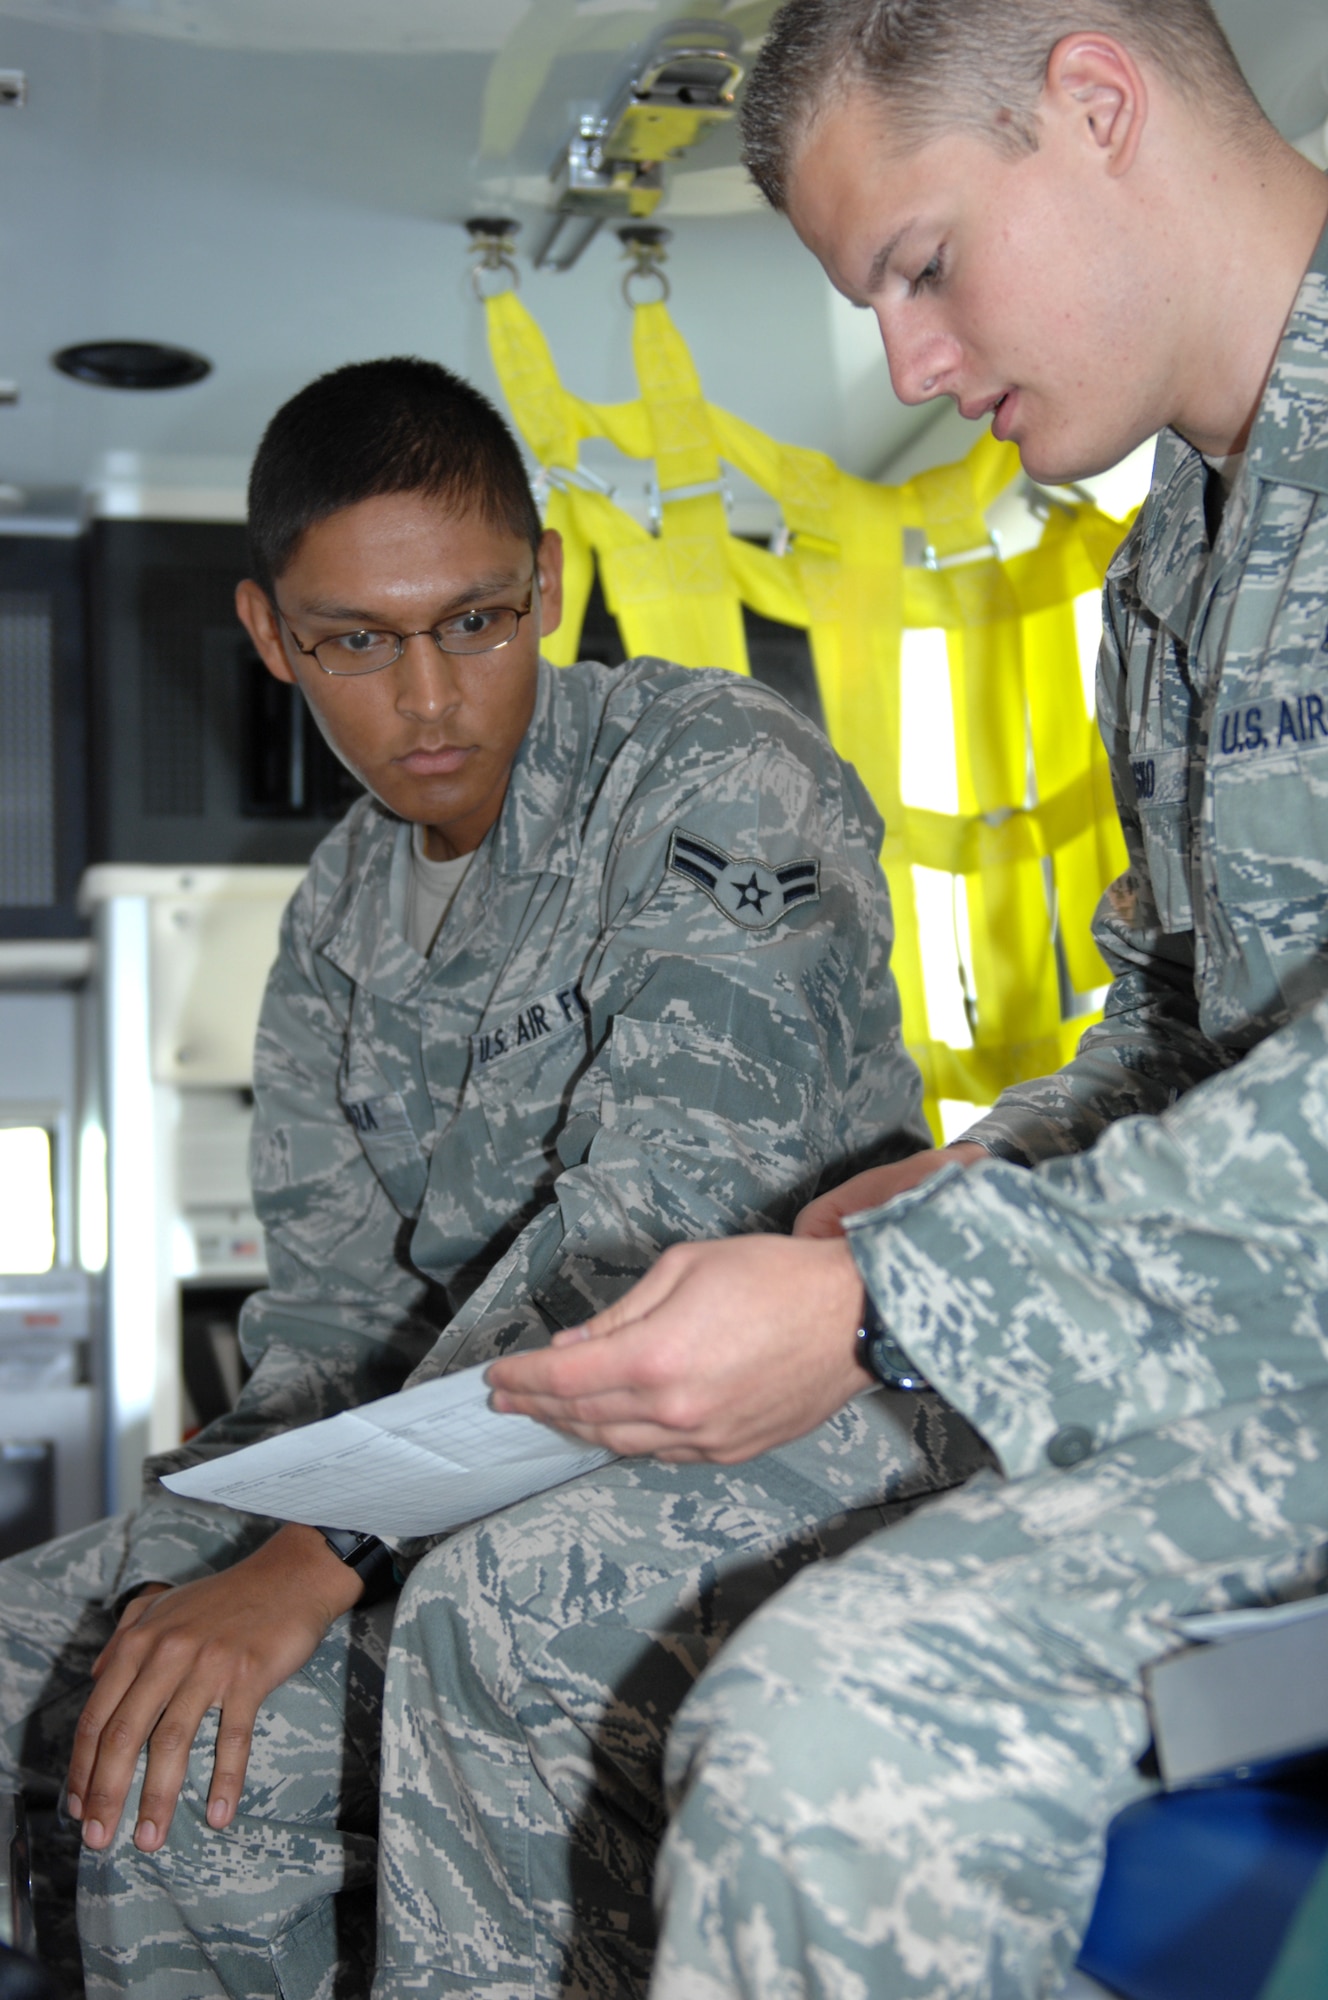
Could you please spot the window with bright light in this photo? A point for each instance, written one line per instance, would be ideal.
(27, 1200)
(1088, 633)
(927, 774)
(941, 902)
(957, 1116)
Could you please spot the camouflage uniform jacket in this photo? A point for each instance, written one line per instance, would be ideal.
(1213, 699)
(1183, 1263)
(660, 1007)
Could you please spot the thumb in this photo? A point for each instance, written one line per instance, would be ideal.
(820, 1218)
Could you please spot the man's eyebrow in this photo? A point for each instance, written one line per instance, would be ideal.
(880, 263)
(480, 586)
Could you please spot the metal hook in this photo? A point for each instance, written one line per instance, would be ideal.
(644, 244)
(493, 240)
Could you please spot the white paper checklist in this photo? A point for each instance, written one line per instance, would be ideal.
(417, 1463)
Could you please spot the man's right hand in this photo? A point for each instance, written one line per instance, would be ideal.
(825, 1215)
(220, 1642)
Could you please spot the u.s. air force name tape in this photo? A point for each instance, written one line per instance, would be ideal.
(551, 1014)
(752, 893)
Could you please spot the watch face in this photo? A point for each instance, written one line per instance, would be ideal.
(345, 1542)
(886, 1359)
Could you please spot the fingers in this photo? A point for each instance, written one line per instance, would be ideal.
(544, 1370)
(102, 1767)
(136, 1693)
(170, 1742)
(614, 1405)
(235, 1735)
(221, 1642)
(822, 1217)
(639, 1440)
(168, 1762)
(825, 1216)
(102, 1728)
(559, 1372)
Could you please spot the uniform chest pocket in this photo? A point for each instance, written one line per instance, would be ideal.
(1161, 790)
(522, 1074)
(380, 1121)
(1270, 833)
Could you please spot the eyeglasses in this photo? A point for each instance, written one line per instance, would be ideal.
(347, 654)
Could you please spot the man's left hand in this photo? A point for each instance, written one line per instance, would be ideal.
(722, 1351)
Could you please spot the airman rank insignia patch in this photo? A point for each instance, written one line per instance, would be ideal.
(754, 894)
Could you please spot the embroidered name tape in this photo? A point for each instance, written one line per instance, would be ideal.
(1272, 725)
(1161, 776)
(749, 892)
(384, 1116)
(555, 1013)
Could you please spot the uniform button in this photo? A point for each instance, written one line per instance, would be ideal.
(1071, 1445)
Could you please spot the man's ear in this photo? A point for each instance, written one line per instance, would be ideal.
(257, 613)
(549, 570)
(1095, 83)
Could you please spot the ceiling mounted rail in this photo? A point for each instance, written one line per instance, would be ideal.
(612, 167)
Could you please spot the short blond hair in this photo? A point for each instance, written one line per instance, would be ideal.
(937, 64)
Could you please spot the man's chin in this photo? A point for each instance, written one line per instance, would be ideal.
(1065, 463)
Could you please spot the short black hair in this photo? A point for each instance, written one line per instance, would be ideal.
(400, 425)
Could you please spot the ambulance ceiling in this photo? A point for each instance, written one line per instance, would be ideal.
(281, 185)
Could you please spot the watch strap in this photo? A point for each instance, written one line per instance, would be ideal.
(371, 1559)
(881, 1355)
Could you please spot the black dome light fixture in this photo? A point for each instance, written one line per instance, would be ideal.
(132, 364)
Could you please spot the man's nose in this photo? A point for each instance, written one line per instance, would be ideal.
(922, 359)
(426, 677)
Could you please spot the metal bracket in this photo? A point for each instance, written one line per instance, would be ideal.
(613, 164)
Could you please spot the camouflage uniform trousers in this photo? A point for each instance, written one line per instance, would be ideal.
(897, 1780)
(268, 1907)
(589, 1609)
(537, 1662)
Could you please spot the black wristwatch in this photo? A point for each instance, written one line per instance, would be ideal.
(880, 1353)
(371, 1560)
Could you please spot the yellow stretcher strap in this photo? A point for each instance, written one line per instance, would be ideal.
(1036, 837)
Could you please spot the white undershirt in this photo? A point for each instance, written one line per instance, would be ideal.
(430, 892)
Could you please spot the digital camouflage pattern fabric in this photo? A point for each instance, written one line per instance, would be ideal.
(454, 1155)
(271, 1905)
(1212, 694)
(897, 1779)
(538, 1660)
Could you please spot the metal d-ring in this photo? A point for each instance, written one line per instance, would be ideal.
(645, 244)
(492, 239)
(645, 271)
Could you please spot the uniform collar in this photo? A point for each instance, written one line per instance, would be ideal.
(1169, 549)
(537, 832)
(1288, 443)
(362, 931)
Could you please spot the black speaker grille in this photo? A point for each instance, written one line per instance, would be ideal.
(178, 607)
(27, 751)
